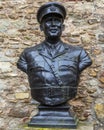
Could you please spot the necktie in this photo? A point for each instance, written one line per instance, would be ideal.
(53, 50)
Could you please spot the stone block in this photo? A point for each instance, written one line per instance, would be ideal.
(5, 67)
(99, 111)
(21, 95)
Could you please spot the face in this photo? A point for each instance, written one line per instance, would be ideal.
(52, 26)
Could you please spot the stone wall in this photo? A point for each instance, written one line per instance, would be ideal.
(19, 29)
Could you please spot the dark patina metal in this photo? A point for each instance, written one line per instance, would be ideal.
(53, 67)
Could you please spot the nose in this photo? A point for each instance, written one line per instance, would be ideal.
(53, 22)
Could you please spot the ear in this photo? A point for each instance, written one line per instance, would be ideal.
(63, 27)
(41, 27)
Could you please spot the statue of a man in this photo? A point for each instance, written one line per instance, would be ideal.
(53, 67)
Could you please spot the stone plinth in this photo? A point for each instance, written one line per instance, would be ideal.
(54, 117)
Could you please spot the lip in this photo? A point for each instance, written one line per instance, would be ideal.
(53, 30)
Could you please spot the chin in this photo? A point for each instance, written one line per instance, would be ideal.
(54, 35)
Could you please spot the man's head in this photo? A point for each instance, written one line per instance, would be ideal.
(51, 17)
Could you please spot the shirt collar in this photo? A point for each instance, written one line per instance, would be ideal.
(53, 45)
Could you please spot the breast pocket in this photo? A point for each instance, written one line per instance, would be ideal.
(68, 71)
(36, 66)
(68, 65)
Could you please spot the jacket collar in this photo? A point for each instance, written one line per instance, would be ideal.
(43, 50)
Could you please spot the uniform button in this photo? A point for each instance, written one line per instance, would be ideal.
(49, 90)
(53, 60)
(53, 83)
(52, 66)
(55, 73)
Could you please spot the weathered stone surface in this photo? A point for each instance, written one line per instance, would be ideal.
(101, 37)
(22, 95)
(5, 67)
(76, 103)
(13, 16)
(89, 0)
(19, 113)
(99, 110)
(91, 90)
(93, 21)
(4, 24)
(10, 53)
(82, 118)
(73, 40)
(76, 23)
(101, 79)
(12, 74)
(85, 39)
(101, 86)
(101, 76)
(75, 34)
(89, 100)
(97, 51)
(34, 112)
(92, 73)
(93, 82)
(14, 124)
(13, 32)
(2, 85)
(1, 40)
(2, 122)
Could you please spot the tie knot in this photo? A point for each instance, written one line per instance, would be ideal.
(53, 47)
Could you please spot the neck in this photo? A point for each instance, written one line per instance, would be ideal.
(52, 40)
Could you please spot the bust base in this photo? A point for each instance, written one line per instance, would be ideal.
(54, 117)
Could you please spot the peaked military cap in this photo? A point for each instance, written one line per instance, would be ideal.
(51, 8)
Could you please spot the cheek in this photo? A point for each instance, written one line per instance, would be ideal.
(46, 28)
(47, 25)
(46, 31)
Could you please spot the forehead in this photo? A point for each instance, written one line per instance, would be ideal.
(53, 18)
(50, 16)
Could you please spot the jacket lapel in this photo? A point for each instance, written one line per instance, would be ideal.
(44, 52)
(63, 49)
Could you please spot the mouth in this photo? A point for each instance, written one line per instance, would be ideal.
(53, 30)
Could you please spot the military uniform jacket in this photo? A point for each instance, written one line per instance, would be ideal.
(53, 79)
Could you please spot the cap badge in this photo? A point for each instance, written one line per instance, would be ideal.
(53, 8)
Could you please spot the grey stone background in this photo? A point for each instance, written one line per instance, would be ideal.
(19, 29)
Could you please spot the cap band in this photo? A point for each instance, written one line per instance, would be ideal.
(51, 8)
(50, 11)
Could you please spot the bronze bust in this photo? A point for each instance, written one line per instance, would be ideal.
(53, 67)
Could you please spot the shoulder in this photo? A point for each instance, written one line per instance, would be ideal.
(33, 48)
(73, 47)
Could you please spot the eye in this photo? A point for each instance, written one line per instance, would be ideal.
(51, 20)
(58, 21)
(48, 22)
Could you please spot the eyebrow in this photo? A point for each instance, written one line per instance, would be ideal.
(53, 17)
